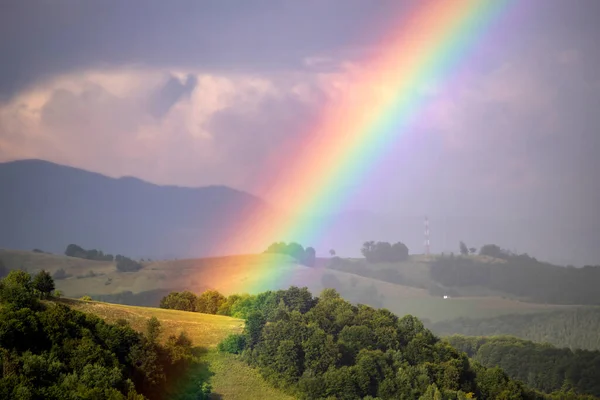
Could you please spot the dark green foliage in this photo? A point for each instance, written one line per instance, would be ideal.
(74, 250)
(125, 264)
(48, 351)
(575, 328)
(17, 290)
(234, 344)
(43, 284)
(379, 252)
(185, 301)
(540, 366)
(60, 274)
(333, 349)
(253, 329)
(492, 250)
(209, 302)
(522, 276)
(58, 353)
(304, 256)
(152, 329)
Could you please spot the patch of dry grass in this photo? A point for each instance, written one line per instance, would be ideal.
(204, 330)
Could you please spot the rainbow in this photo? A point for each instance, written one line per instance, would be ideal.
(352, 135)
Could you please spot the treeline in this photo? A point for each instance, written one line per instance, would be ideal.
(49, 351)
(539, 366)
(380, 252)
(74, 250)
(520, 275)
(573, 328)
(124, 264)
(213, 302)
(304, 256)
(324, 347)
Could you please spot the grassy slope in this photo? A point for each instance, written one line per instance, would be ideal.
(256, 273)
(229, 377)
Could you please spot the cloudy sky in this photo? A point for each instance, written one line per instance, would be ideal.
(202, 92)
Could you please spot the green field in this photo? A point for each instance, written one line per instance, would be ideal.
(230, 377)
(257, 273)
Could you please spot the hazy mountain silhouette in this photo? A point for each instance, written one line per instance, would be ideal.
(45, 205)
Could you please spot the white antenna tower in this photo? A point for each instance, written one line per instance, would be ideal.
(426, 235)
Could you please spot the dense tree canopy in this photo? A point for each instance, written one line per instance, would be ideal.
(540, 366)
(380, 252)
(74, 250)
(304, 256)
(575, 328)
(522, 276)
(49, 351)
(324, 347)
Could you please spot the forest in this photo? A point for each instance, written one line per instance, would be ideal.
(575, 328)
(325, 347)
(49, 351)
(539, 366)
(523, 276)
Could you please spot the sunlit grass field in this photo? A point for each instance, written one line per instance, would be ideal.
(229, 377)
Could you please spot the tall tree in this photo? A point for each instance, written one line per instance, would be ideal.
(463, 248)
(43, 283)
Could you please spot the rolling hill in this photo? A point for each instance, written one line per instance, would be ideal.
(49, 206)
(254, 274)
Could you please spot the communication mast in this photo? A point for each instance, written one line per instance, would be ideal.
(426, 235)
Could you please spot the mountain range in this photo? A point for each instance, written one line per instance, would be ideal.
(48, 206)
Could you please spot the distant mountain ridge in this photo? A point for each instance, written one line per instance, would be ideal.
(46, 205)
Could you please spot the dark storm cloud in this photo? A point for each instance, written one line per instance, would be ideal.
(42, 38)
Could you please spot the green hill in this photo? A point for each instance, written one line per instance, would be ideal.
(257, 273)
(230, 378)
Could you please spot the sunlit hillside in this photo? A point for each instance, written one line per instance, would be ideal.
(230, 378)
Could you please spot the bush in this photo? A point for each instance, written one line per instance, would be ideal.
(60, 274)
(381, 252)
(234, 344)
(126, 264)
(86, 298)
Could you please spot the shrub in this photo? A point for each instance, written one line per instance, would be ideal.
(126, 264)
(60, 274)
(234, 344)
(86, 298)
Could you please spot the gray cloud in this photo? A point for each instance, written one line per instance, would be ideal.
(206, 92)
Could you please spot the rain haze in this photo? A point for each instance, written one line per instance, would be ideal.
(198, 93)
